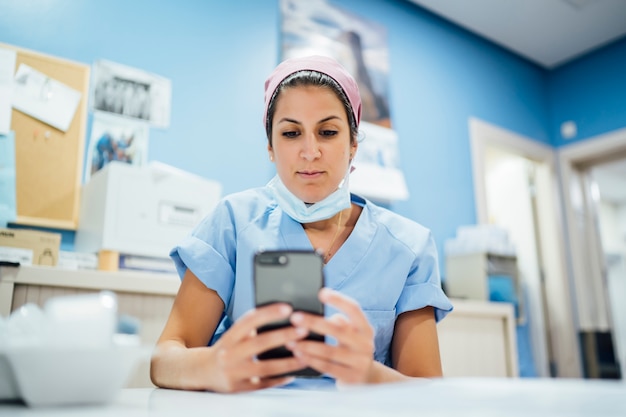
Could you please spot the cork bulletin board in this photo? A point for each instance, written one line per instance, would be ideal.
(48, 161)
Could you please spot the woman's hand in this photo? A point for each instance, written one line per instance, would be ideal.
(351, 361)
(235, 367)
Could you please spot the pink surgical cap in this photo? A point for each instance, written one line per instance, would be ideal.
(321, 64)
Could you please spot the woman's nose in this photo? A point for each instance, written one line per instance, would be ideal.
(310, 148)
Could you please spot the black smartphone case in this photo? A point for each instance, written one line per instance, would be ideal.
(293, 277)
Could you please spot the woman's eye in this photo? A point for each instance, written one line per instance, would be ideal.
(291, 134)
(328, 133)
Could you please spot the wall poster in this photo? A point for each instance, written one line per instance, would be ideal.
(316, 27)
(131, 93)
(116, 138)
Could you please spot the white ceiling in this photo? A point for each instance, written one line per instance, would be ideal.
(547, 32)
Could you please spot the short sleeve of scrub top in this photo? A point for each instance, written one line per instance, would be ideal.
(209, 252)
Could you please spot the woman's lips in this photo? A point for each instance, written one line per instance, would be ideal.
(310, 174)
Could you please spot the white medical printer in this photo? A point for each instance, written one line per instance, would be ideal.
(142, 211)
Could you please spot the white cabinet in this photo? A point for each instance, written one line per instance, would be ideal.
(478, 339)
(145, 296)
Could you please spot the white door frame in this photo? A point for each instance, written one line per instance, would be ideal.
(574, 159)
(562, 329)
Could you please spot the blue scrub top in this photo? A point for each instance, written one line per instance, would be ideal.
(388, 263)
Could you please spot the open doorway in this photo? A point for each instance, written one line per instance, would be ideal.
(593, 176)
(515, 182)
(610, 180)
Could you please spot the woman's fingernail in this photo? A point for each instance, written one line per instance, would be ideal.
(297, 318)
(285, 309)
(301, 331)
(325, 293)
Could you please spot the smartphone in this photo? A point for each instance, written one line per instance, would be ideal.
(293, 277)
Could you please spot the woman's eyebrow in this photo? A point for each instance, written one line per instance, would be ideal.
(288, 120)
(329, 118)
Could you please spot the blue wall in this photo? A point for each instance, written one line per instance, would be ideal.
(591, 91)
(218, 53)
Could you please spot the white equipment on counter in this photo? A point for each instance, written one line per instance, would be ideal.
(142, 211)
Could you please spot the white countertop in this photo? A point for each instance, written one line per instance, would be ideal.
(123, 280)
(482, 397)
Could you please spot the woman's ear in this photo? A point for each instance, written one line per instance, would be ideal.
(353, 148)
(270, 152)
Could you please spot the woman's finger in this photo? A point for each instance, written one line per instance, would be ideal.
(253, 346)
(339, 354)
(346, 305)
(260, 370)
(338, 370)
(262, 383)
(272, 367)
(340, 362)
(253, 319)
(337, 327)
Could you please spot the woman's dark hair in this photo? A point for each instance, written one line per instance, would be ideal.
(316, 79)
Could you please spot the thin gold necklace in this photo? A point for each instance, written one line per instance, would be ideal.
(328, 254)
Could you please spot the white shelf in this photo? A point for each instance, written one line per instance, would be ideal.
(152, 283)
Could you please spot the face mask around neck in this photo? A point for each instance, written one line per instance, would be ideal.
(303, 213)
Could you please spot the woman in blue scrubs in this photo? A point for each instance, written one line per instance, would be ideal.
(382, 294)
